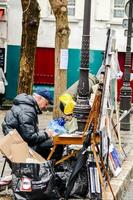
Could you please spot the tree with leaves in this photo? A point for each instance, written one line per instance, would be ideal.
(30, 24)
(59, 8)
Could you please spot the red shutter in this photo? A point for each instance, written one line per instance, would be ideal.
(44, 66)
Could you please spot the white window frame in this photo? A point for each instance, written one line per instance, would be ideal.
(72, 7)
(118, 19)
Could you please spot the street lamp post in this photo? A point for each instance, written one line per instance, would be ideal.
(125, 96)
(82, 107)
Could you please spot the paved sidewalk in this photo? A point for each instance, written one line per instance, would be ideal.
(119, 184)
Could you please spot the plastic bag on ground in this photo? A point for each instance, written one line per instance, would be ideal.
(80, 187)
(35, 181)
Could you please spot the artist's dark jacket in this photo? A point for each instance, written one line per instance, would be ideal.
(23, 117)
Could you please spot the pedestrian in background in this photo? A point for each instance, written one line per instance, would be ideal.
(3, 83)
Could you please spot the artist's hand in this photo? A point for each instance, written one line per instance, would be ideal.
(50, 133)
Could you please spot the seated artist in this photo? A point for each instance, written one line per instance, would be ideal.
(23, 116)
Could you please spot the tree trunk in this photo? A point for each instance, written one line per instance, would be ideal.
(59, 8)
(31, 18)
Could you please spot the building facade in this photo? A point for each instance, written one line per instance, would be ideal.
(104, 14)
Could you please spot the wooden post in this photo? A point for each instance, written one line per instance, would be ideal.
(59, 9)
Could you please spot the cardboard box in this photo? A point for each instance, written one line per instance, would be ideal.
(17, 150)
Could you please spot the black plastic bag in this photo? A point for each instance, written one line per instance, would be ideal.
(79, 165)
(34, 181)
(80, 186)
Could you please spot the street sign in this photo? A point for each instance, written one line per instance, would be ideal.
(125, 23)
(125, 33)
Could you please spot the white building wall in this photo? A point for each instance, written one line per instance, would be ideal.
(14, 22)
(46, 34)
(100, 18)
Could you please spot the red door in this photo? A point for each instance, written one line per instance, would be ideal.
(44, 66)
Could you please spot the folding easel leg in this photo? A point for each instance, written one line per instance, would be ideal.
(107, 176)
(65, 158)
(51, 152)
(99, 170)
(100, 173)
(3, 168)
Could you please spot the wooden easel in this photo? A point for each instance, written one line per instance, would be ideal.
(79, 139)
(97, 115)
(93, 118)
